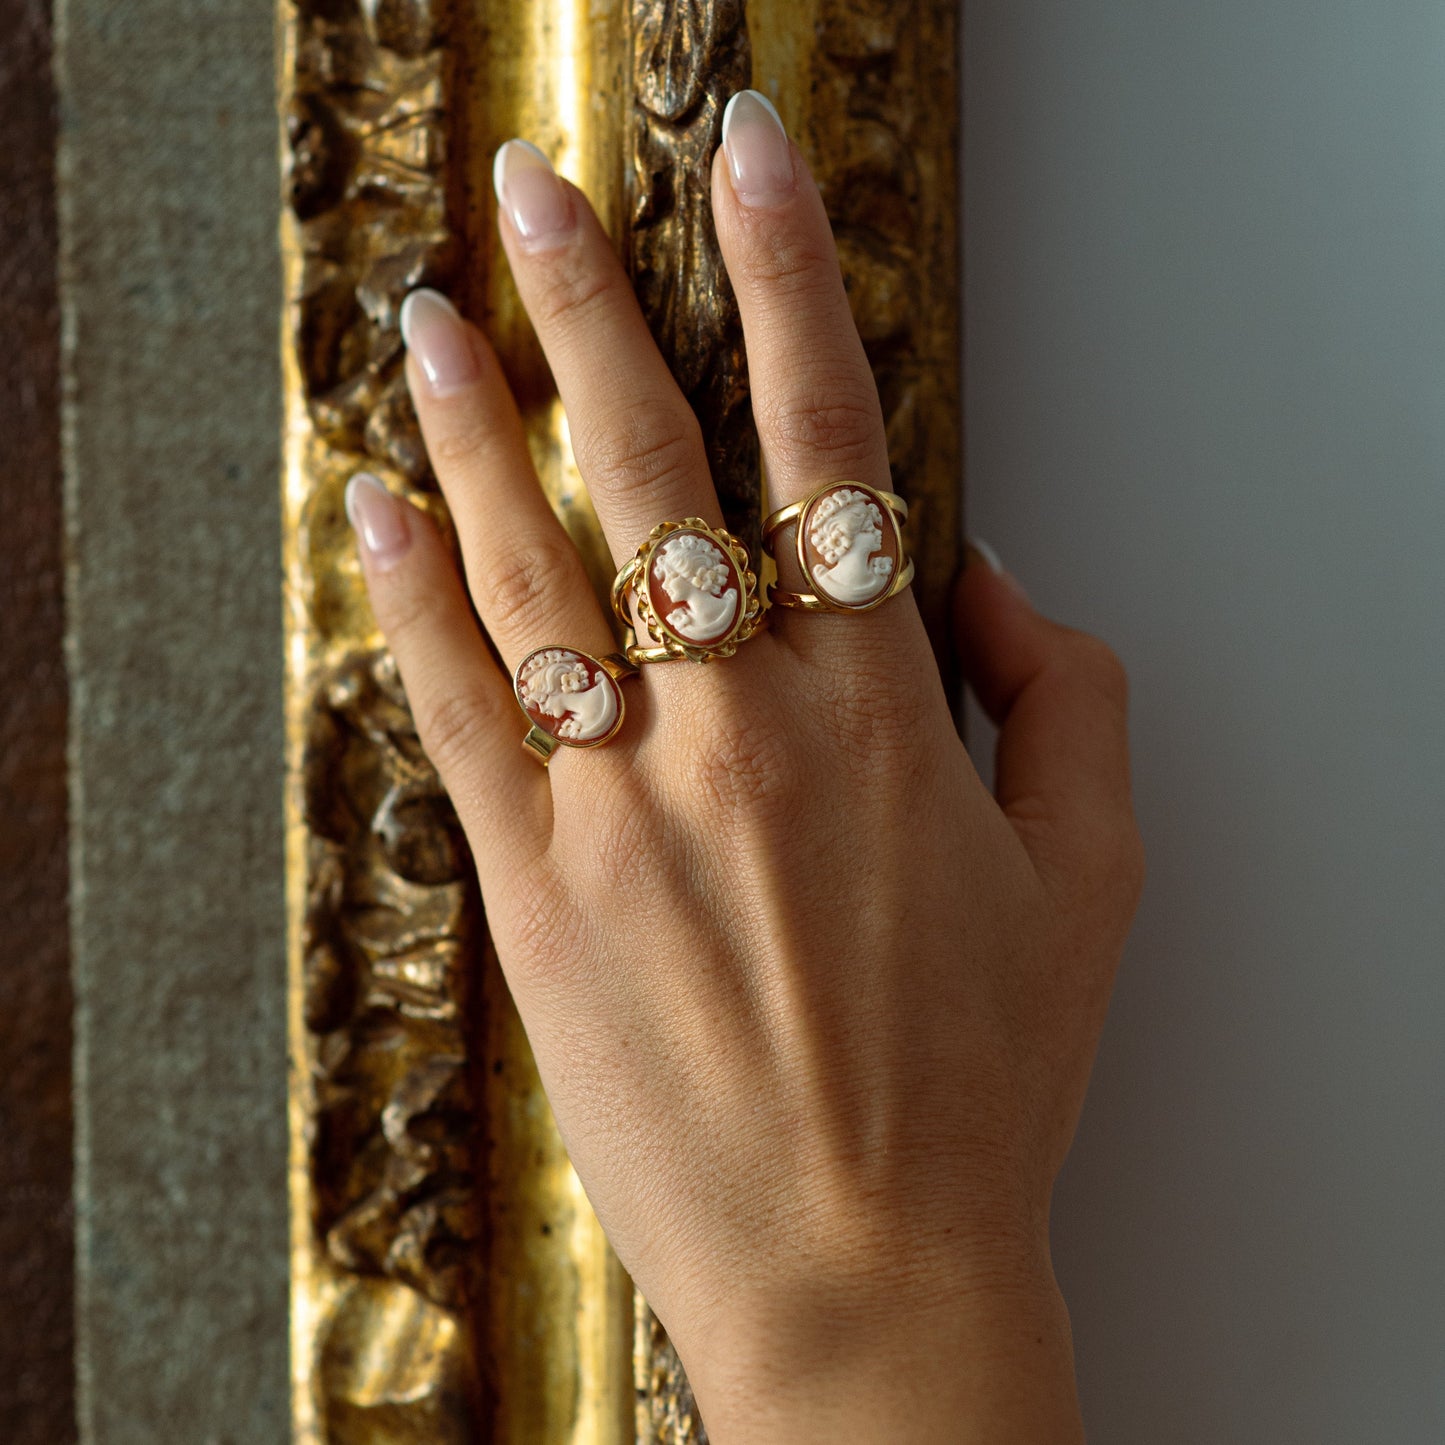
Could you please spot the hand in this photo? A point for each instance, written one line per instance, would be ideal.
(814, 1011)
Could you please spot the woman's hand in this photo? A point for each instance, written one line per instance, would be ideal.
(815, 1013)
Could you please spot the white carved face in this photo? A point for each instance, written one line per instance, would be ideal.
(569, 695)
(847, 547)
(689, 563)
(694, 588)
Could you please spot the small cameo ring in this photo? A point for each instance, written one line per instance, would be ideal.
(850, 546)
(572, 699)
(695, 592)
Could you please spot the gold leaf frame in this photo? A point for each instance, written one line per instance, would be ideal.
(449, 1282)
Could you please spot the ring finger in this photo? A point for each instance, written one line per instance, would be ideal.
(814, 398)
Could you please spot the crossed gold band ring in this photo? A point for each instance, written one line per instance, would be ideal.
(694, 591)
(849, 545)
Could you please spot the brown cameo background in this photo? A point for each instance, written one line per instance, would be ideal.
(849, 546)
(694, 588)
(569, 695)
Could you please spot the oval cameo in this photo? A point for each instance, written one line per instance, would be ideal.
(849, 546)
(569, 695)
(694, 588)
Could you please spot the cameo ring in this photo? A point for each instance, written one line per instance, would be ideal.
(572, 699)
(695, 593)
(850, 546)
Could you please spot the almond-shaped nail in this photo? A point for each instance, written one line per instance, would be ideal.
(437, 337)
(979, 551)
(379, 519)
(760, 160)
(533, 196)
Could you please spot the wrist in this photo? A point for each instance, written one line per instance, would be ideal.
(991, 1361)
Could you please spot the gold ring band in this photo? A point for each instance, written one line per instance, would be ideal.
(849, 542)
(571, 699)
(811, 602)
(695, 593)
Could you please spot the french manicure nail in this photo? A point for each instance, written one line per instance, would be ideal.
(532, 195)
(435, 335)
(379, 519)
(980, 550)
(991, 559)
(759, 157)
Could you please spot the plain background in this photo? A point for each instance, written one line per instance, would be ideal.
(1206, 419)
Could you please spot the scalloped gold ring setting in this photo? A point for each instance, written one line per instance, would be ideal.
(695, 593)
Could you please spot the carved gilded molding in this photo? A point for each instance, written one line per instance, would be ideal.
(449, 1281)
(688, 60)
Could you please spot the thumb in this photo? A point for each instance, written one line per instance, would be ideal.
(1060, 701)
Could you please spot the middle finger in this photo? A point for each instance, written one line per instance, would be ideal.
(525, 576)
(637, 443)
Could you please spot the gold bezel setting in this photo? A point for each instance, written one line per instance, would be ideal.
(543, 743)
(666, 643)
(892, 506)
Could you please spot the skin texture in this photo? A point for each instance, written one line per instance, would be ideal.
(815, 1011)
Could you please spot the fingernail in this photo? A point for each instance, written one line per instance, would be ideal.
(435, 335)
(759, 157)
(532, 195)
(989, 557)
(379, 519)
(979, 551)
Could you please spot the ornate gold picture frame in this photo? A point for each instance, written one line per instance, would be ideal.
(449, 1282)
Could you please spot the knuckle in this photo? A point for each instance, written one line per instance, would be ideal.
(409, 609)
(453, 726)
(790, 263)
(535, 927)
(567, 294)
(544, 942)
(632, 834)
(462, 446)
(519, 591)
(645, 447)
(742, 767)
(842, 424)
(885, 730)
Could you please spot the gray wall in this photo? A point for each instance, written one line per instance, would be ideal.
(171, 283)
(1206, 407)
